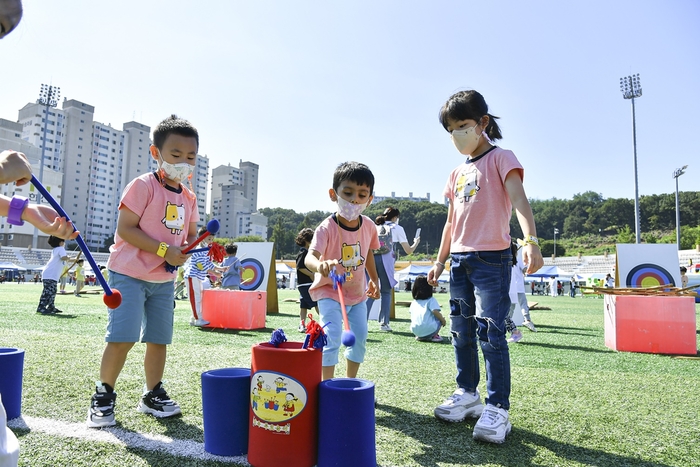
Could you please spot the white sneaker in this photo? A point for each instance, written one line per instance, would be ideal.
(530, 325)
(302, 327)
(385, 328)
(459, 406)
(493, 425)
(515, 336)
(199, 322)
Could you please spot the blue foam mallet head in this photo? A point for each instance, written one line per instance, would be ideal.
(213, 226)
(348, 338)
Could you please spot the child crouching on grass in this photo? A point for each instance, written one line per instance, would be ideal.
(343, 242)
(426, 319)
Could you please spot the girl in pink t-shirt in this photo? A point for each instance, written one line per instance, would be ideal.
(482, 192)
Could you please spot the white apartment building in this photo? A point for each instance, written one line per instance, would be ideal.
(96, 162)
(22, 236)
(410, 197)
(234, 199)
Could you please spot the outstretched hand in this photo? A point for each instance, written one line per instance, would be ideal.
(14, 167)
(46, 219)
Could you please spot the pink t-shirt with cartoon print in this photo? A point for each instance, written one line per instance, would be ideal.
(481, 207)
(350, 248)
(165, 215)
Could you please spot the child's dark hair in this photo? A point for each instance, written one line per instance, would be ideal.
(469, 105)
(231, 249)
(355, 172)
(202, 230)
(55, 241)
(304, 235)
(173, 125)
(421, 289)
(684, 269)
(389, 213)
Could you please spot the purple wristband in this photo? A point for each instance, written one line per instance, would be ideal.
(17, 206)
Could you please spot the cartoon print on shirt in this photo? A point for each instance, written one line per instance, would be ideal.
(351, 256)
(174, 218)
(466, 186)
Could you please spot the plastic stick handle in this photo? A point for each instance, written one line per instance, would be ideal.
(342, 307)
(81, 243)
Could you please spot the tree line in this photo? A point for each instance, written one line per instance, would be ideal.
(588, 223)
(585, 222)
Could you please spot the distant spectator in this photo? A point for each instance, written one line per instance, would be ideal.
(684, 278)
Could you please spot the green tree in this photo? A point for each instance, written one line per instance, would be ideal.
(625, 235)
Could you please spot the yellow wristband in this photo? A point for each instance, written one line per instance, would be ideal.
(162, 249)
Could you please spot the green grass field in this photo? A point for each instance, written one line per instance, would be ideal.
(574, 401)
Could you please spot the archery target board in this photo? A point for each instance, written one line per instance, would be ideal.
(647, 265)
(255, 260)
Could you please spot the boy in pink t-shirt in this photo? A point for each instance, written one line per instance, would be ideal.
(158, 216)
(344, 242)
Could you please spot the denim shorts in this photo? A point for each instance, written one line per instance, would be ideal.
(146, 313)
(330, 312)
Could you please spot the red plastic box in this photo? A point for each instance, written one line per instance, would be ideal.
(650, 324)
(234, 309)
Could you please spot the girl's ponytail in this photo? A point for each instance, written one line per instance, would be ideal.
(493, 131)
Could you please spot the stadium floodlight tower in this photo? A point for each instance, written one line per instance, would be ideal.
(677, 173)
(48, 97)
(631, 88)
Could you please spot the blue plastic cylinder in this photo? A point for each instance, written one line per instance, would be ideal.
(346, 423)
(226, 407)
(11, 369)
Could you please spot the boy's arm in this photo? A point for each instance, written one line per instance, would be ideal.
(314, 263)
(128, 229)
(532, 256)
(444, 250)
(373, 285)
(191, 233)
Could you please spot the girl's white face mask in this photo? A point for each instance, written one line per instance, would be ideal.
(348, 210)
(466, 140)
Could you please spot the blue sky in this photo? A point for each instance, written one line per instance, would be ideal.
(300, 86)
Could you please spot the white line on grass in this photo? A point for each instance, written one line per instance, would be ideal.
(149, 442)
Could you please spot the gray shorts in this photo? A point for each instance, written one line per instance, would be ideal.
(146, 313)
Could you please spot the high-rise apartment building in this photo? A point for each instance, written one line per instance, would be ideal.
(234, 199)
(95, 162)
(11, 138)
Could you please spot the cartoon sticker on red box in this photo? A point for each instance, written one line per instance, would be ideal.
(276, 397)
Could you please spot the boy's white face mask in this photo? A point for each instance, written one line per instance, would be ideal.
(348, 210)
(176, 172)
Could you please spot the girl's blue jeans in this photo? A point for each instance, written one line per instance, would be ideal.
(479, 304)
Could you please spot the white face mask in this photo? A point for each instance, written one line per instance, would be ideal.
(466, 140)
(348, 210)
(176, 172)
